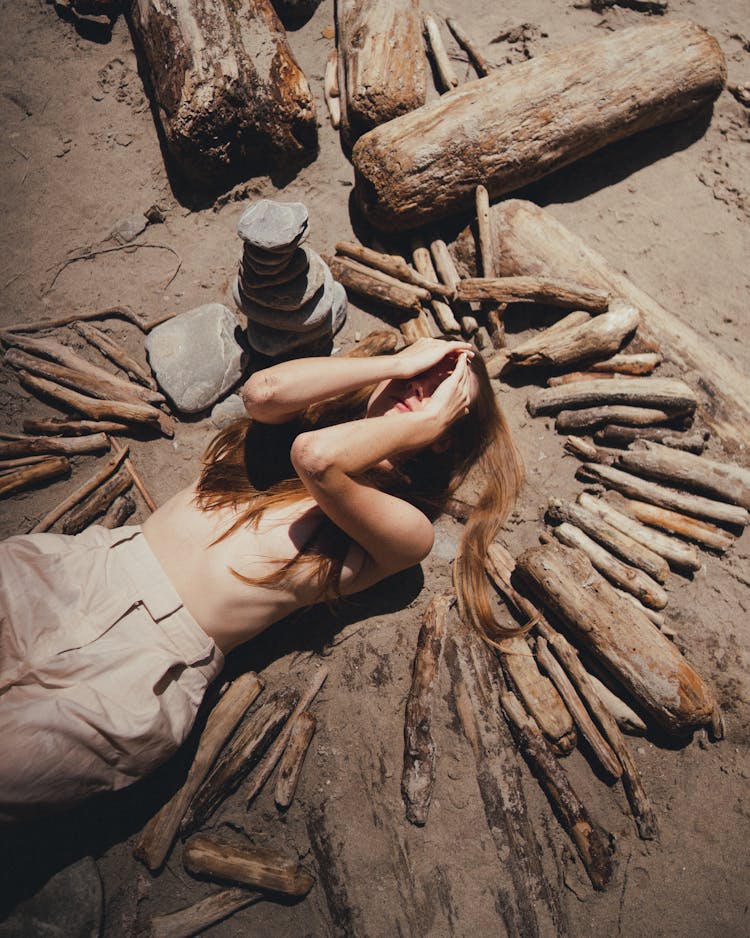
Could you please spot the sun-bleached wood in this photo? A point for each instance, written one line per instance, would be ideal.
(116, 353)
(590, 418)
(290, 766)
(641, 363)
(443, 67)
(54, 445)
(616, 435)
(668, 394)
(563, 293)
(60, 426)
(34, 474)
(377, 286)
(441, 310)
(479, 62)
(392, 264)
(196, 918)
(623, 715)
(702, 532)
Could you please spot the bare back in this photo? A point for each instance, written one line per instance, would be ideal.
(228, 608)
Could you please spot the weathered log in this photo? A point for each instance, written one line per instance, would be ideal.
(116, 353)
(445, 71)
(245, 750)
(423, 166)
(615, 435)
(623, 715)
(423, 262)
(657, 618)
(599, 746)
(444, 264)
(391, 264)
(259, 867)
(418, 773)
(293, 758)
(562, 293)
(72, 367)
(720, 480)
(481, 65)
(612, 538)
(589, 418)
(331, 89)
(530, 908)
(668, 394)
(573, 376)
(584, 449)
(640, 584)
(657, 676)
(701, 532)
(685, 502)
(416, 327)
(45, 523)
(157, 836)
(97, 409)
(642, 363)
(34, 474)
(224, 84)
(532, 242)
(59, 426)
(267, 765)
(590, 840)
(54, 445)
(118, 512)
(676, 553)
(485, 238)
(195, 919)
(9, 465)
(381, 61)
(135, 476)
(97, 502)
(496, 326)
(377, 286)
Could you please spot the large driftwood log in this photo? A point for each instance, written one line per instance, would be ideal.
(517, 125)
(613, 434)
(532, 242)
(290, 766)
(377, 286)
(116, 353)
(259, 867)
(225, 84)
(418, 773)
(381, 59)
(657, 676)
(97, 502)
(158, 835)
(562, 293)
(702, 532)
(54, 445)
(591, 842)
(686, 502)
(669, 394)
(22, 478)
(195, 919)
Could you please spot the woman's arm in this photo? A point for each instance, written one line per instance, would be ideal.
(279, 393)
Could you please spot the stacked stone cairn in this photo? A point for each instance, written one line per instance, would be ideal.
(292, 303)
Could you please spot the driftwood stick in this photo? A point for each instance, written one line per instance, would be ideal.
(573, 376)
(8, 465)
(97, 502)
(676, 553)
(96, 409)
(138, 481)
(331, 89)
(116, 353)
(267, 765)
(591, 842)
(423, 262)
(259, 867)
(418, 774)
(445, 71)
(564, 293)
(195, 919)
(585, 450)
(624, 716)
(59, 426)
(246, 748)
(657, 618)
(391, 264)
(612, 538)
(696, 505)
(145, 325)
(702, 532)
(45, 523)
(34, 474)
(157, 836)
(118, 512)
(642, 363)
(54, 445)
(290, 766)
(486, 249)
(481, 66)
(615, 435)
(416, 327)
(495, 325)
(377, 286)
(590, 418)
(640, 584)
(667, 394)
(601, 749)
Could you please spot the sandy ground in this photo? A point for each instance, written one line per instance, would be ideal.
(79, 154)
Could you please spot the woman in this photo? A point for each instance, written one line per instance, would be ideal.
(109, 639)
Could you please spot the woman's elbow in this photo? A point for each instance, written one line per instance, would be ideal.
(309, 457)
(259, 393)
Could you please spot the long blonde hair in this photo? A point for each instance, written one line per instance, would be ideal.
(247, 468)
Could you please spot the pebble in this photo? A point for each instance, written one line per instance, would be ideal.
(129, 228)
(227, 411)
(196, 357)
(273, 226)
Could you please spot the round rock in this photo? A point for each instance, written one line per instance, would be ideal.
(307, 318)
(195, 357)
(295, 293)
(227, 411)
(251, 278)
(275, 342)
(272, 226)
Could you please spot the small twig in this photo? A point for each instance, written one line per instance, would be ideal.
(88, 255)
(139, 484)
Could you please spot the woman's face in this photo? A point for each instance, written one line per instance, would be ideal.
(412, 394)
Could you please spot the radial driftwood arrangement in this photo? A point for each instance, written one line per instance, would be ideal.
(287, 291)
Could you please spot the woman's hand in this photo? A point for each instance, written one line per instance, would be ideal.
(424, 354)
(453, 396)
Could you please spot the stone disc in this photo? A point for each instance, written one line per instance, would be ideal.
(251, 279)
(293, 294)
(305, 319)
(276, 342)
(272, 225)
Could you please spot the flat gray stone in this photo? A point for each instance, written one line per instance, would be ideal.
(227, 411)
(276, 342)
(70, 905)
(129, 228)
(195, 357)
(273, 226)
(309, 317)
(250, 277)
(290, 296)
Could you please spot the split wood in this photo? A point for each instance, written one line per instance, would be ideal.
(97, 502)
(701, 532)
(118, 512)
(564, 293)
(418, 774)
(54, 445)
(590, 840)
(442, 311)
(45, 523)
(331, 89)
(290, 766)
(391, 264)
(668, 394)
(34, 474)
(481, 66)
(122, 312)
(61, 426)
(443, 67)
(258, 867)
(158, 835)
(116, 353)
(615, 435)
(134, 475)
(377, 286)
(416, 327)
(195, 919)
(267, 765)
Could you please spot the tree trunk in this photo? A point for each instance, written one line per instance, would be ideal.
(224, 82)
(522, 123)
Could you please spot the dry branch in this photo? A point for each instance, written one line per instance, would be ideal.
(615, 435)
(118, 512)
(573, 376)
(34, 474)
(563, 293)
(623, 715)
(642, 363)
(116, 353)
(61, 426)
(589, 418)
(137, 480)
(54, 445)
(377, 286)
(391, 264)
(195, 919)
(445, 71)
(97, 502)
(423, 262)
(145, 325)
(331, 89)
(479, 62)
(293, 759)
